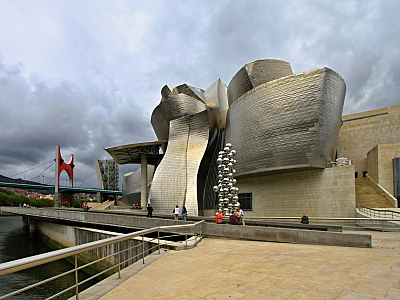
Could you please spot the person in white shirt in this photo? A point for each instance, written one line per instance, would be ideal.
(241, 217)
(176, 212)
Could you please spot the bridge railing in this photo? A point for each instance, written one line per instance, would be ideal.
(378, 213)
(374, 219)
(189, 230)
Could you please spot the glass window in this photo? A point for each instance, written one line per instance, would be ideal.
(246, 201)
(396, 177)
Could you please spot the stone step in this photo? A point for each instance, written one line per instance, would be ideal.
(368, 196)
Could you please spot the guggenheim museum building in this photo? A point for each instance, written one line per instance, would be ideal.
(295, 153)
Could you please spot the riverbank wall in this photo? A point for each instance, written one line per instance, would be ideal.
(58, 236)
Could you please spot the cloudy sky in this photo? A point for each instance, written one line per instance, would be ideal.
(86, 75)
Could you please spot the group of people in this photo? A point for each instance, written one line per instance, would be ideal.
(236, 218)
(175, 212)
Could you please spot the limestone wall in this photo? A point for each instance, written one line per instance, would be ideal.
(316, 193)
(380, 164)
(59, 236)
(372, 164)
(363, 131)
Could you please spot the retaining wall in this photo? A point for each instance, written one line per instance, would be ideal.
(270, 234)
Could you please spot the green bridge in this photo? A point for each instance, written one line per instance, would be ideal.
(69, 190)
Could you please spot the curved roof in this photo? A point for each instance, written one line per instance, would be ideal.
(131, 154)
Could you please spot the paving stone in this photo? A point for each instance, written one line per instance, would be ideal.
(238, 269)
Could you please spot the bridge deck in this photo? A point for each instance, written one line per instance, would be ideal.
(233, 269)
(260, 233)
(71, 190)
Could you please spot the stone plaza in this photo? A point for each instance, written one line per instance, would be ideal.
(233, 269)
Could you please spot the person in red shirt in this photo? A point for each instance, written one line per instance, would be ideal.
(218, 218)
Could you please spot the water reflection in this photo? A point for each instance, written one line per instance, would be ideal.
(15, 243)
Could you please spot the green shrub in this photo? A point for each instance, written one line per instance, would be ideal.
(8, 198)
(78, 202)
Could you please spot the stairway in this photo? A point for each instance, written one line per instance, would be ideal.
(368, 196)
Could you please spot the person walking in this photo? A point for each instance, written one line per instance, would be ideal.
(149, 211)
(85, 206)
(184, 213)
(176, 212)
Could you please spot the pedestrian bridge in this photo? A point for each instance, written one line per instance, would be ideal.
(114, 251)
(296, 233)
(70, 190)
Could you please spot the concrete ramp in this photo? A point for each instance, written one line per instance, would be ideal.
(105, 205)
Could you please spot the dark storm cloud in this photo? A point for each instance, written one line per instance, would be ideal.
(37, 117)
(87, 76)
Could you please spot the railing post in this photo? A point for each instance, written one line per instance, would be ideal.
(76, 278)
(158, 236)
(143, 247)
(186, 240)
(119, 259)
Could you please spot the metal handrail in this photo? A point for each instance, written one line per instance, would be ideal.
(320, 218)
(378, 212)
(377, 221)
(40, 259)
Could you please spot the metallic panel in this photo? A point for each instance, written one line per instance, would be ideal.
(132, 181)
(254, 74)
(216, 99)
(175, 180)
(131, 154)
(174, 106)
(288, 123)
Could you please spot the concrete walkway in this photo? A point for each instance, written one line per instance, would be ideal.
(237, 269)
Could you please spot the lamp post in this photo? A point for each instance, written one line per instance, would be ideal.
(226, 189)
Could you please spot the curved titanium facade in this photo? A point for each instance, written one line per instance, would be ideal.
(174, 181)
(216, 99)
(276, 121)
(287, 123)
(254, 74)
(174, 105)
(131, 186)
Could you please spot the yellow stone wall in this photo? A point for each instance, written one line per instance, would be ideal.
(316, 193)
(380, 162)
(363, 131)
(372, 164)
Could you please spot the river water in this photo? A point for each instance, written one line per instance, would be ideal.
(16, 243)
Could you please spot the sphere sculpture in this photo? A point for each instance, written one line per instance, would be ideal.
(227, 192)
